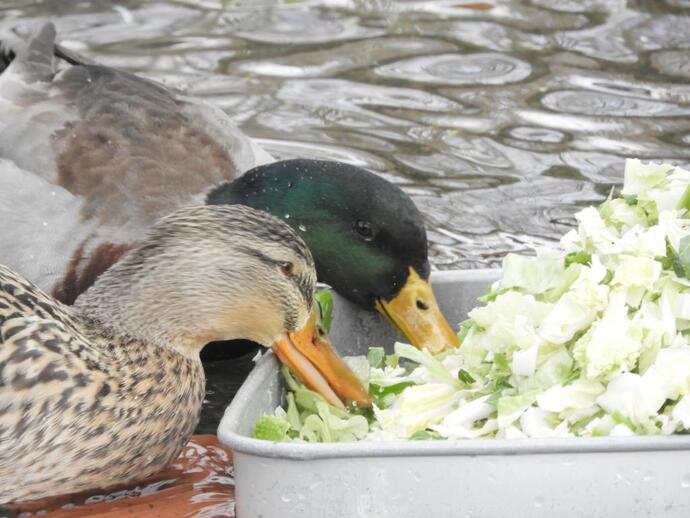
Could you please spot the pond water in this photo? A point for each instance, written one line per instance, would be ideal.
(500, 118)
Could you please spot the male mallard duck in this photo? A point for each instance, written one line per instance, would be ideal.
(94, 155)
(109, 390)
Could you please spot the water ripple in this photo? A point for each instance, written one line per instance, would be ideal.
(458, 69)
(537, 134)
(330, 92)
(301, 26)
(604, 104)
(343, 58)
(672, 62)
(661, 32)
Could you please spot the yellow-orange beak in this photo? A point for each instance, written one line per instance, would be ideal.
(311, 356)
(415, 312)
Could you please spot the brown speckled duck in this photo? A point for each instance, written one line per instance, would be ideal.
(109, 390)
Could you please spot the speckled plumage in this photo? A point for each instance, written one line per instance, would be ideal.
(77, 397)
(108, 391)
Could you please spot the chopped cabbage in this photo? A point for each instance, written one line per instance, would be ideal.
(588, 338)
(271, 428)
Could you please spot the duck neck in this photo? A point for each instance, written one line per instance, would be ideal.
(164, 322)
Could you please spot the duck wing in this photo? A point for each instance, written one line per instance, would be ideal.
(45, 367)
(42, 230)
(129, 150)
(79, 409)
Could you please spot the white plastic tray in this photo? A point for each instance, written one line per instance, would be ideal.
(599, 477)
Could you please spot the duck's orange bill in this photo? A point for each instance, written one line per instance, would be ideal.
(311, 356)
(415, 313)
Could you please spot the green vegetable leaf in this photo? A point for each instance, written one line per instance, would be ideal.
(381, 392)
(577, 258)
(681, 263)
(466, 377)
(292, 413)
(367, 413)
(491, 295)
(381, 395)
(497, 389)
(427, 360)
(684, 202)
(271, 428)
(392, 360)
(605, 209)
(426, 435)
(324, 300)
(573, 375)
(581, 423)
(464, 329)
(290, 380)
(329, 424)
(501, 364)
(630, 199)
(376, 357)
(621, 419)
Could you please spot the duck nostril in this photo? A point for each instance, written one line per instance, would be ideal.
(422, 305)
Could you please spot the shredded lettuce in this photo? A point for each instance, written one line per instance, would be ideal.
(587, 338)
(310, 418)
(417, 407)
(324, 303)
(271, 428)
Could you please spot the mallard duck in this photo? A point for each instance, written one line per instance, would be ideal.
(93, 156)
(109, 390)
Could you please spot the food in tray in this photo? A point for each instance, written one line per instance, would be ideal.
(586, 338)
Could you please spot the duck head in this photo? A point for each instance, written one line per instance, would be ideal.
(366, 235)
(216, 273)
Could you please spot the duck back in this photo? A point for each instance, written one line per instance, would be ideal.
(127, 150)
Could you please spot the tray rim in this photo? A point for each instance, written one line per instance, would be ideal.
(267, 367)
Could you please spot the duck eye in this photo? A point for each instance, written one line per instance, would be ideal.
(422, 305)
(286, 267)
(364, 229)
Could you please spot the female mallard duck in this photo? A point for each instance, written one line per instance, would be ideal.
(93, 156)
(109, 390)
